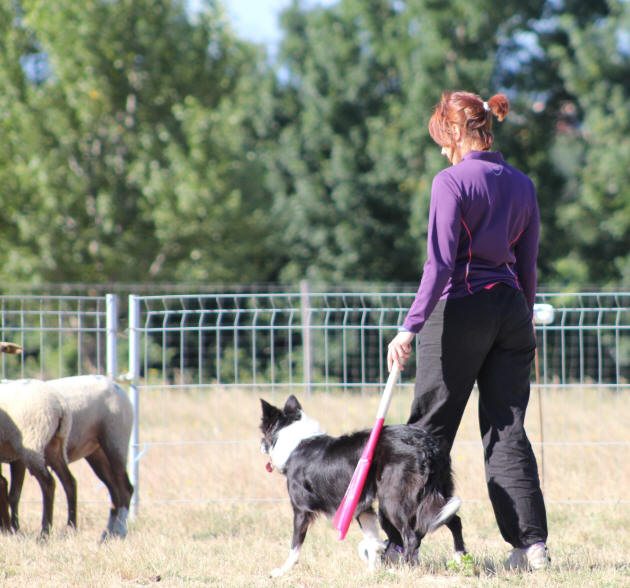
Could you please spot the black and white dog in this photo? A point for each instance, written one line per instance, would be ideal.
(410, 476)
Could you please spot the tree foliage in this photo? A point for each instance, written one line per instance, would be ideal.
(144, 142)
(594, 152)
(130, 160)
(354, 163)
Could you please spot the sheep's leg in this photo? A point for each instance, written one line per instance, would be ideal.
(100, 465)
(55, 458)
(113, 474)
(47, 484)
(5, 519)
(117, 465)
(18, 470)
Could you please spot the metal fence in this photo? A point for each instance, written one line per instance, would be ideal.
(316, 343)
(588, 339)
(326, 344)
(338, 340)
(60, 335)
(302, 339)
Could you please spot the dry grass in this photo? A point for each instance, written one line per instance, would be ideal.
(202, 453)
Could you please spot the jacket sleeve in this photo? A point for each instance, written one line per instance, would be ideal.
(442, 241)
(526, 253)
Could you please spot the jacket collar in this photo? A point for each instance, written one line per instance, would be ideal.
(493, 156)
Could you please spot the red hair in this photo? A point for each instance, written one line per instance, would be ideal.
(471, 114)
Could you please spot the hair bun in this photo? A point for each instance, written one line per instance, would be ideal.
(499, 105)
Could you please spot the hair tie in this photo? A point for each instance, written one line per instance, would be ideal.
(485, 106)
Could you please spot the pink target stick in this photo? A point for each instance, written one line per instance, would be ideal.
(345, 512)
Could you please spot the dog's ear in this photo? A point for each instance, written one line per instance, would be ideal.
(292, 405)
(270, 413)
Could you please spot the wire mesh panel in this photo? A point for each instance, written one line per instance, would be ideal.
(60, 335)
(330, 348)
(269, 340)
(326, 340)
(588, 340)
(215, 354)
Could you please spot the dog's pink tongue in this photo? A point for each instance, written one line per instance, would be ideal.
(268, 467)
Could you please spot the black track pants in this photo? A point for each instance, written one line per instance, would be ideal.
(487, 337)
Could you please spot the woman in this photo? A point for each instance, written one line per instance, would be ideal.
(473, 311)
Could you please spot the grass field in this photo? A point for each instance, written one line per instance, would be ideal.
(210, 515)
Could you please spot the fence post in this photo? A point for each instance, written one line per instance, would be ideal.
(544, 315)
(134, 377)
(307, 349)
(111, 326)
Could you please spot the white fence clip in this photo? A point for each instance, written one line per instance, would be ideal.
(544, 314)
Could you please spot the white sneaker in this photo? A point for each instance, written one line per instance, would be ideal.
(534, 557)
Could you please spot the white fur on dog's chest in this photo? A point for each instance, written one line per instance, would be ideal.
(290, 437)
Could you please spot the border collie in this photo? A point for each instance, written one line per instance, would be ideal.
(410, 476)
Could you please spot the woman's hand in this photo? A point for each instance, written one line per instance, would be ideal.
(399, 349)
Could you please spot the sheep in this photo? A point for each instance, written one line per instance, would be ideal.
(34, 430)
(10, 348)
(10, 442)
(102, 418)
(8, 430)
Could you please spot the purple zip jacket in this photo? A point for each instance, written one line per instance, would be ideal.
(483, 230)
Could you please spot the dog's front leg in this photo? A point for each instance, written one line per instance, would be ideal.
(301, 521)
(455, 527)
(371, 547)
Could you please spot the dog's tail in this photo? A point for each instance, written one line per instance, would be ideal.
(435, 510)
(446, 512)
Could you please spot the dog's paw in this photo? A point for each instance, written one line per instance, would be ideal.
(276, 572)
(370, 551)
(363, 550)
(457, 556)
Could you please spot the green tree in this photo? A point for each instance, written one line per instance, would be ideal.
(354, 162)
(134, 156)
(593, 146)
